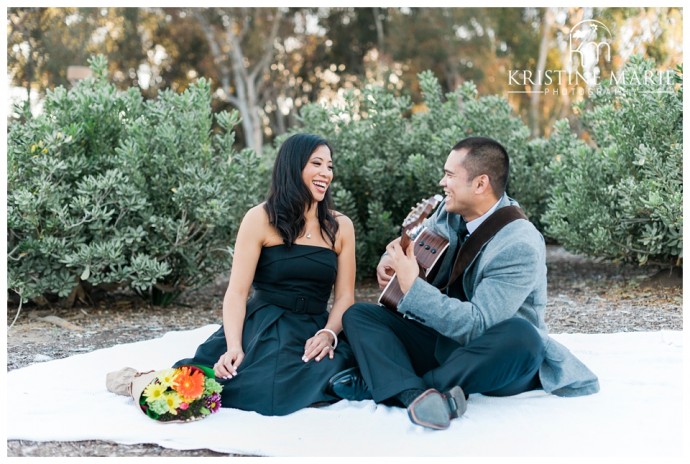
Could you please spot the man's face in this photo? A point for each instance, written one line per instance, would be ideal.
(459, 189)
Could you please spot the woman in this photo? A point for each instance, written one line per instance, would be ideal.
(275, 352)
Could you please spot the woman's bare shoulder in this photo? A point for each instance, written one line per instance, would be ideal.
(257, 214)
(346, 227)
(341, 218)
(256, 221)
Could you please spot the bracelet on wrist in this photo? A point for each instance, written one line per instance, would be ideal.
(335, 337)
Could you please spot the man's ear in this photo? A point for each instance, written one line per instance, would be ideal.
(482, 183)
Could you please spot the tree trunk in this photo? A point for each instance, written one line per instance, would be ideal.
(535, 97)
(379, 30)
(574, 16)
(247, 80)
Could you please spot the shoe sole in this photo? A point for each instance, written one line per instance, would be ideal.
(435, 410)
(430, 410)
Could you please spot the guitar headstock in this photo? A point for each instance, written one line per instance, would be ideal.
(418, 213)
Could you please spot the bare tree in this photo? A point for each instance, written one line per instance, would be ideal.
(242, 77)
(21, 23)
(572, 17)
(535, 97)
(380, 38)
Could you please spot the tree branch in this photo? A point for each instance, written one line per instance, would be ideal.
(218, 57)
(265, 60)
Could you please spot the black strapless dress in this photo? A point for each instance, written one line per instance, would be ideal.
(291, 291)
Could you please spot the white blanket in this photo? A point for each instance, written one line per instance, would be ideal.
(637, 413)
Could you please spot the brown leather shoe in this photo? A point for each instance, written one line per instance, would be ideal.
(434, 410)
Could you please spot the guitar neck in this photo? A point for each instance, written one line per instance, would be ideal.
(404, 240)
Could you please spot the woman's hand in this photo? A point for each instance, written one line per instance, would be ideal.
(318, 346)
(227, 364)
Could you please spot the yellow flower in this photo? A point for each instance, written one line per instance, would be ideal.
(173, 400)
(154, 391)
(44, 151)
(166, 377)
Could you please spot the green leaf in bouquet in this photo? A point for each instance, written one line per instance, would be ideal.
(210, 373)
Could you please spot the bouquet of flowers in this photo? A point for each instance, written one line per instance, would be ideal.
(180, 394)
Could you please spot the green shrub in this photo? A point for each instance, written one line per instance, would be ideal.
(388, 158)
(108, 190)
(622, 199)
(535, 170)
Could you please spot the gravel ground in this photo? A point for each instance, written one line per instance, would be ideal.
(585, 296)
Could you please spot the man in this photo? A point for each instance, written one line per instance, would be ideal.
(481, 331)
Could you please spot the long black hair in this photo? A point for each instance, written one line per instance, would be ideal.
(289, 197)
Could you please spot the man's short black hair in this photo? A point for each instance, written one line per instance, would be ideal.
(486, 156)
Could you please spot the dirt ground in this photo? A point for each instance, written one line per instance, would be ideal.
(585, 296)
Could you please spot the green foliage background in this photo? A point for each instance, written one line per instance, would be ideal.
(622, 199)
(106, 189)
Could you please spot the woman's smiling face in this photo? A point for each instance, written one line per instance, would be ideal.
(318, 172)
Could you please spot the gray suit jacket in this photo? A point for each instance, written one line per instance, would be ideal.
(506, 279)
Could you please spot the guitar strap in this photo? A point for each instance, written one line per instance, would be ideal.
(474, 243)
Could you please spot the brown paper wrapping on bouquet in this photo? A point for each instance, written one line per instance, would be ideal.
(129, 382)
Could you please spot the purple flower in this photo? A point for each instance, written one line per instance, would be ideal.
(213, 402)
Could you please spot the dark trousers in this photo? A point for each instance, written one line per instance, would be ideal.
(396, 354)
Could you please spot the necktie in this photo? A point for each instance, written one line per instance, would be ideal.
(462, 234)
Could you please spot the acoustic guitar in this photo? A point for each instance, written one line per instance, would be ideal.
(429, 248)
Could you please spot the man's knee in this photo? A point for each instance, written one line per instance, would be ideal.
(520, 336)
(356, 314)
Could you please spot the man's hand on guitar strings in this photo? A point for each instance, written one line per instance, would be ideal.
(384, 271)
(403, 263)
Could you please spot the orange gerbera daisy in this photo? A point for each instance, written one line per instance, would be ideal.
(189, 383)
